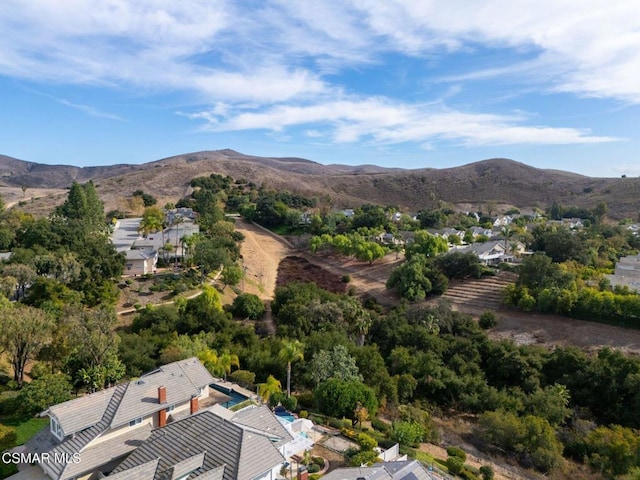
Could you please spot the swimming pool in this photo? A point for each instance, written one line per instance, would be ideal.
(236, 397)
(288, 418)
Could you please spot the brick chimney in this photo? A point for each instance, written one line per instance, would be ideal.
(162, 398)
(302, 473)
(194, 404)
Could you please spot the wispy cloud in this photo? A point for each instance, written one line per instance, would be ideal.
(89, 110)
(283, 63)
(378, 121)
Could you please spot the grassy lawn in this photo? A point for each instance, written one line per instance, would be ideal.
(26, 427)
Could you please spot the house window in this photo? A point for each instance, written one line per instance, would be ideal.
(56, 429)
(170, 408)
(135, 421)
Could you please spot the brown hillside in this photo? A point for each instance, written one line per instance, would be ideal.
(498, 181)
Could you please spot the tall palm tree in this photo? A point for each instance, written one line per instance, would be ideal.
(271, 386)
(226, 361)
(291, 351)
(507, 232)
(209, 359)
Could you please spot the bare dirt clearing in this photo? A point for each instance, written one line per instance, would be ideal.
(552, 330)
(14, 195)
(262, 252)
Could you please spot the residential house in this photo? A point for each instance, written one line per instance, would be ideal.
(489, 253)
(502, 221)
(634, 228)
(140, 262)
(260, 419)
(207, 446)
(103, 427)
(481, 231)
(627, 273)
(401, 470)
(448, 233)
(574, 223)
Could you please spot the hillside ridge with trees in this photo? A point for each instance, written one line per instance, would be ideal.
(497, 181)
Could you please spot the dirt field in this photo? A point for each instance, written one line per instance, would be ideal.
(263, 251)
(553, 330)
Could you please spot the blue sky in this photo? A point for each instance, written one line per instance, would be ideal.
(433, 83)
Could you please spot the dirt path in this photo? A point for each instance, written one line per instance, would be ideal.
(261, 254)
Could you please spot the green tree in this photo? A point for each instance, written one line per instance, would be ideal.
(232, 274)
(43, 392)
(408, 433)
(336, 363)
(426, 244)
(152, 221)
(340, 398)
(415, 279)
(248, 305)
(24, 275)
(226, 360)
(23, 333)
(268, 388)
(95, 357)
(613, 450)
(291, 351)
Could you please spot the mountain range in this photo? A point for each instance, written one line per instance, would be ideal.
(503, 183)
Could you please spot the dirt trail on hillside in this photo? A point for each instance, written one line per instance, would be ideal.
(261, 254)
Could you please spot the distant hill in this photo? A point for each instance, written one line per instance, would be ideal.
(500, 182)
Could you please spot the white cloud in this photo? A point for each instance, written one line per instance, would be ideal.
(278, 64)
(589, 47)
(89, 110)
(377, 121)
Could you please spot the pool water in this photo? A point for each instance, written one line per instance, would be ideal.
(236, 397)
(288, 418)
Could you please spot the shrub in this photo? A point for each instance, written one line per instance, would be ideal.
(487, 472)
(457, 452)
(488, 320)
(408, 433)
(244, 378)
(313, 468)
(305, 399)
(455, 465)
(366, 442)
(468, 474)
(303, 414)
(8, 438)
(379, 425)
(248, 305)
(346, 278)
(281, 398)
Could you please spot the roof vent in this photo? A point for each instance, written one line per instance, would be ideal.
(140, 382)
